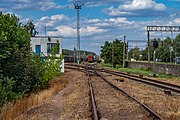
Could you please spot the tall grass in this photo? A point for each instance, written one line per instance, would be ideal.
(13, 110)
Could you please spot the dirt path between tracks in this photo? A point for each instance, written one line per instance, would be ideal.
(71, 103)
(167, 106)
(115, 105)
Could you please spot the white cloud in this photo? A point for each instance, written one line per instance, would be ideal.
(94, 20)
(95, 44)
(51, 21)
(176, 21)
(67, 31)
(89, 30)
(143, 4)
(59, 17)
(42, 5)
(110, 23)
(137, 8)
(64, 31)
(25, 20)
(117, 20)
(44, 18)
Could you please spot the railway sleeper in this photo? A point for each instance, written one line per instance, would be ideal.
(120, 80)
(167, 92)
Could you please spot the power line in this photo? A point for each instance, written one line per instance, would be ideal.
(144, 41)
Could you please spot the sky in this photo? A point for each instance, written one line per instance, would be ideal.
(100, 20)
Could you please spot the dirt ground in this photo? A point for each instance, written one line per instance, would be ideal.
(167, 106)
(71, 103)
(114, 105)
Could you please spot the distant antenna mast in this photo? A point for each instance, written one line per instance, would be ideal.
(45, 27)
(78, 6)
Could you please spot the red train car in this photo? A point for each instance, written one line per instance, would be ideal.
(90, 58)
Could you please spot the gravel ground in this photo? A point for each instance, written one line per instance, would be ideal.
(167, 106)
(114, 105)
(71, 103)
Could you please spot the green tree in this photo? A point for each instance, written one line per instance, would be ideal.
(21, 72)
(165, 48)
(135, 53)
(114, 50)
(176, 46)
(31, 28)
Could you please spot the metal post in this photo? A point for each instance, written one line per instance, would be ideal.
(113, 54)
(170, 50)
(148, 47)
(171, 47)
(124, 52)
(127, 52)
(78, 7)
(154, 61)
(74, 54)
(78, 37)
(45, 28)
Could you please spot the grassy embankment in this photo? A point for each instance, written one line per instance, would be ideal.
(13, 109)
(146, 72)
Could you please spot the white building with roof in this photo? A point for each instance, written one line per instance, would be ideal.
(43, 45)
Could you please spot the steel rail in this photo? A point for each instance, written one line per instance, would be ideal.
(159, 84)
(156, 116)
(95, 113)
(81, 70)
(168, 86)
(133, 98)
(92, 97)
(152, 80)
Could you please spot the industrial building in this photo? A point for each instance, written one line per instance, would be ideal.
(43, 45)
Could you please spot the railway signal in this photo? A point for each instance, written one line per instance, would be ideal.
(155, 44)
(160, 29)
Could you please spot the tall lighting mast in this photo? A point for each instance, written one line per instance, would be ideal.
(78, 6)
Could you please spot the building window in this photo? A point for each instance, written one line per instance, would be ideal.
(53, 48)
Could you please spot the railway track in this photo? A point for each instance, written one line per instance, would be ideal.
(163, 85)
(153, 114)
(93, 98)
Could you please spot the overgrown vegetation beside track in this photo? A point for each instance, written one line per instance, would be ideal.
(21, 72)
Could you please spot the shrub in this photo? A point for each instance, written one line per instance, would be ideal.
(6, 91)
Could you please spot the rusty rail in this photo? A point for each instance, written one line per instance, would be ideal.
(76, 67)
(159, 84)
(164, 85)
(92, 97)
(156, 116)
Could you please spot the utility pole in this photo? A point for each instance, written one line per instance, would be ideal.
(113, 54)
(78, 6)
(127, 52)
(154, 61)
(148, 47)
(45, 29)
(74, 54)
(124, 52)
